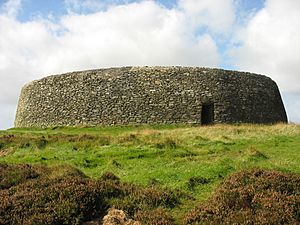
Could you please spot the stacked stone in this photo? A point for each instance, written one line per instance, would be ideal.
(134, 95)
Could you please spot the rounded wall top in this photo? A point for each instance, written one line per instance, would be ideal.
(155, 70)
(149, 94)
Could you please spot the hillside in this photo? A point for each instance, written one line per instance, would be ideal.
(182, 164)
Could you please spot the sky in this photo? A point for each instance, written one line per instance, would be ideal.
(40, 38)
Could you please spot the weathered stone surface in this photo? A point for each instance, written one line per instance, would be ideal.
(131, 95)
(118, 217)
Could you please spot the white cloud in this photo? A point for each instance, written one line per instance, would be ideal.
(7, 114)
(103, 39)
(21, 49)
(269, 44)
(147, 33)
(216, 15)
(143, 33)
(11, 7)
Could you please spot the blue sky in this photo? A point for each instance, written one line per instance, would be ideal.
(34, 8)
(57, 8)
(39, 38)
(31, 8)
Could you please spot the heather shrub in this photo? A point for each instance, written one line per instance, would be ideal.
(109, 176)
(154, 217)
(63, 195)
(252, 197)
(11, 175)
(155, 196)
(195, 181)
(131, 198)
(44, 195)
(51, 201)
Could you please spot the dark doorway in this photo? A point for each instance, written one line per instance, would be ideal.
(207, 114)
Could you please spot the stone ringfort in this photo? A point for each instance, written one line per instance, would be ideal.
(134, 95)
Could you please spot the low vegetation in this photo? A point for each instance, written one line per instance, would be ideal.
(41, 197)
(252, 197)
(163, 172)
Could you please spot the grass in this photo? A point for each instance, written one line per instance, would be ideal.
(188, 158)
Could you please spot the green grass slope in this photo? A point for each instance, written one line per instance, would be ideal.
(189, 159)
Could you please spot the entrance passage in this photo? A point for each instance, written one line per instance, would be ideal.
(207, 114)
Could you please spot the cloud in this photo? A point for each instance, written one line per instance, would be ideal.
(269, 44)
(96, 34)
(218, 16)
(138, 38)
(6, 115)
(143, 33)
(80, 41)
(21, 53)
(11, 8)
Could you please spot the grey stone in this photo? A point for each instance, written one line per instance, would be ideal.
(131, 95)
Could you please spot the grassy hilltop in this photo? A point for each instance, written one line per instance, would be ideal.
(169, 169)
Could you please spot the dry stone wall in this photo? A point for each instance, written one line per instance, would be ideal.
(131, 95)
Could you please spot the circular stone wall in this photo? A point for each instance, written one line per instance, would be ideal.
(131, 95)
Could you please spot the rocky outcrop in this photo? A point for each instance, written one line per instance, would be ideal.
(118, 217)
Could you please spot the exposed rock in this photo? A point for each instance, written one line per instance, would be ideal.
(118, 217)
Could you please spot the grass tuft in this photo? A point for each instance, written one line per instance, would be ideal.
(195, 181)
